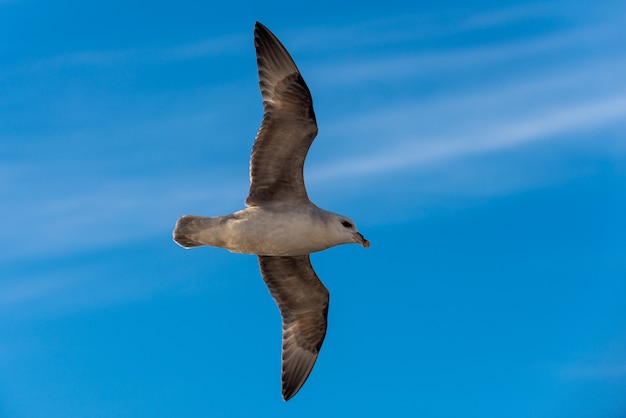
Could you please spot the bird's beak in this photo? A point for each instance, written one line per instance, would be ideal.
(361, 240)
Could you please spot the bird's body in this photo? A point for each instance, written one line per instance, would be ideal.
(281, 225)
(274, 231)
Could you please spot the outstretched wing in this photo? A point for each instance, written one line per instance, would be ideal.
(288, 127)
(303, 303)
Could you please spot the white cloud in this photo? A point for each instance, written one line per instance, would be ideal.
(501, 135)
(393, 30)
(474, 116)
(209, 47)
(563, 47)
(593, 371)
(509, 15)
(17, 292)
(114, 210)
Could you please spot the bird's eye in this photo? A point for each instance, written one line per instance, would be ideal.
(346, 224)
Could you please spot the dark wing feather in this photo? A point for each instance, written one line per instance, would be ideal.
(288, 127)
(303, 303)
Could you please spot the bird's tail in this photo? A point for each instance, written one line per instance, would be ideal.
(191, 231)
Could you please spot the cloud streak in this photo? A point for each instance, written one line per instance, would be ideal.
(593, 372)
(567, 90)
(416, 63)
(499, 135)
(118, 210)
(210, 47)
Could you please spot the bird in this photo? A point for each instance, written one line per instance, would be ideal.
(280, 224)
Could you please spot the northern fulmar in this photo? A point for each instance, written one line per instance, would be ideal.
(280, 224)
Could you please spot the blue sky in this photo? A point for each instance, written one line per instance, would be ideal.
(479, 147)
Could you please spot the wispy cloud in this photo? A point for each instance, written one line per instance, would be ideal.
(390, 31)
(203, 48)
(116, 210)
(507, 15)
(61, 288)
(593, 371)
(209, 47)
(414, 64)
(17, 292)
(566, 91)
(493, 135)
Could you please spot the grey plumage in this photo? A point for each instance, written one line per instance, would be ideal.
(303, 303)
(188, 228)
(288, 127)
(280, 224)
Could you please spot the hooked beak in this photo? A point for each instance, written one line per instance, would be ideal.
(361, 240)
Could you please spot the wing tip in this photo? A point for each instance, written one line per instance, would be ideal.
(271, 53)
(295, 375)
(261, 31)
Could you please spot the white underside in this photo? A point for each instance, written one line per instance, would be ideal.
(277, 233)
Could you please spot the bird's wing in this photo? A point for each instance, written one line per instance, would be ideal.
(288, 127)
(303, 303)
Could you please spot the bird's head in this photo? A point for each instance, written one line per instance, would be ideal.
(346, 231)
